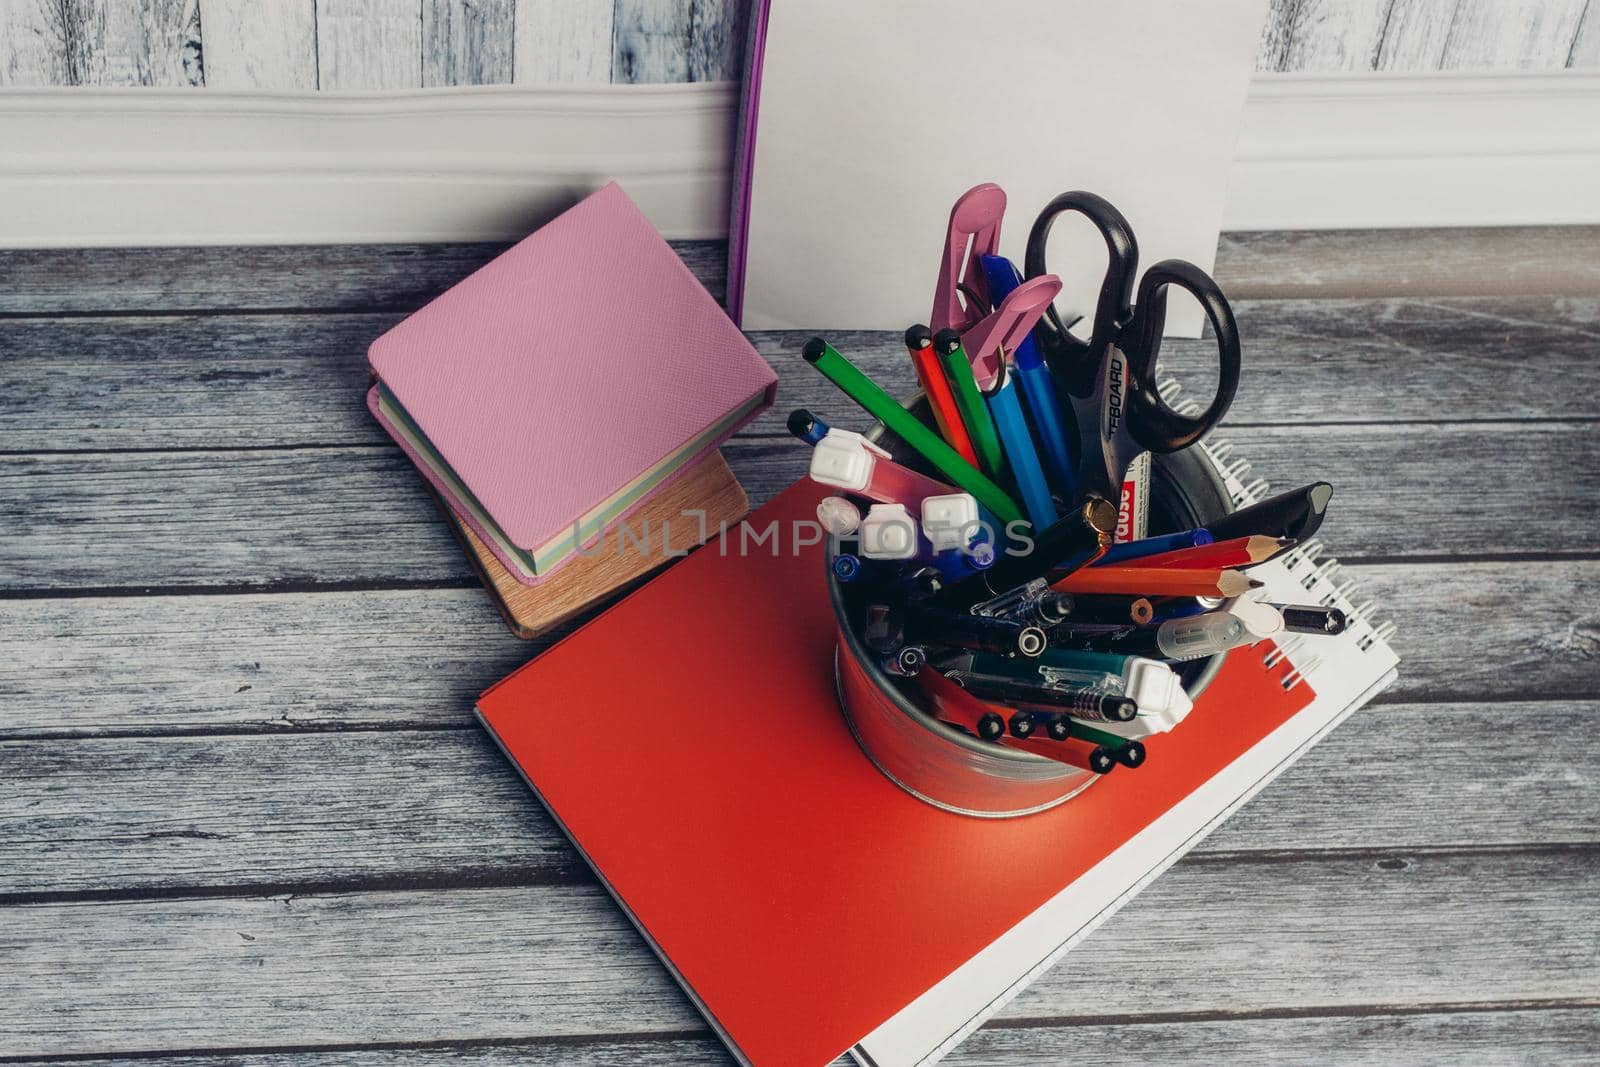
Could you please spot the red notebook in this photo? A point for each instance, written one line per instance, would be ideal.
(804, 901)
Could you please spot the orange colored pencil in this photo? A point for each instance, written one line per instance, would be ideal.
(941, 397)
(1157, 581)
(1237, 552)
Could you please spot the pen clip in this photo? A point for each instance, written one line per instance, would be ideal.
(1007, 327)
(974, 232)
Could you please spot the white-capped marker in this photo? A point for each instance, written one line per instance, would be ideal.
(846, 460)
(888, 532)
(951, 520)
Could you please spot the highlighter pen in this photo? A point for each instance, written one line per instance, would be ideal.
(890, 532)
(1037, 384)
(1149, 546)
(1297, 514)
(848, 461)
(904, 425)
(1234, 552)
(1156, 581)
(1303, 619)
(946, 629)
(953, 704)
(806, 426)
(936, 387)
(1006, 411)
(969, 401)
(1154, 686)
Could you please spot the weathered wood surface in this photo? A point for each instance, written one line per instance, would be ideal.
(443, 807)
(100, 42)
(1420, 35)
(1279, 934)
(359, 514)
(467, 42)
(1466, 1034)
(185, 769)
(1550, 261)
(252, 45)
(563, 40)
(296, 380)
(369, 44)
(677, 41)
(285, 661)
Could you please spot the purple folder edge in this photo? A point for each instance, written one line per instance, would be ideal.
(745, 162)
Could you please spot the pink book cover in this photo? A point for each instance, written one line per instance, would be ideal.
(560, 372)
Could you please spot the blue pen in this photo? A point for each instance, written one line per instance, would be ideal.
(806, 426)
(1006, 413)
(1037, 384)
(1149, 546)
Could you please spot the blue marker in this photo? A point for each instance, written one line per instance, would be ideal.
(1037, 385)
(1149, 546)
(1006, 413)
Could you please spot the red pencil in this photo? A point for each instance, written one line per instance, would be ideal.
(941, 398)
(1238, 552)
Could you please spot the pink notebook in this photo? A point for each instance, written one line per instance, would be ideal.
(550, 393)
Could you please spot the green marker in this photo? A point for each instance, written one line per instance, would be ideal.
(969, 401)
(906, 426)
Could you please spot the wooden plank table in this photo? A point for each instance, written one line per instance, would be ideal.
(246, 816)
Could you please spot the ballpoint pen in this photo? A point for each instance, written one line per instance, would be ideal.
(904, 425)
(969, 401)
(1037, 384)
(1006, 412)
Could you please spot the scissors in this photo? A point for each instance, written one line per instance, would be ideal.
(1110, 378)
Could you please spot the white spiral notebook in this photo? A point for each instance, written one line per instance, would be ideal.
(1344, 672)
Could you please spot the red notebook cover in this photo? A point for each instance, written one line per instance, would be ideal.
(691, 743)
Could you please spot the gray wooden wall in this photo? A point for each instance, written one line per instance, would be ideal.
(406, 44)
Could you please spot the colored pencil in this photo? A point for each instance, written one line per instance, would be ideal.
(941, 401)
(1157, 581)
(1238, 552)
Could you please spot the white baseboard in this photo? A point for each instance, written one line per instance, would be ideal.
(86, 167)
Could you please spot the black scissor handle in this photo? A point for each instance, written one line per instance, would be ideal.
(1065, 354)
(1152, 423)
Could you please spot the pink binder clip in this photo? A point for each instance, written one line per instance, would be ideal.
(1006, 327)
(974, 231)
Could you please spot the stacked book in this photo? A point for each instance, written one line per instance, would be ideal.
(565, 403)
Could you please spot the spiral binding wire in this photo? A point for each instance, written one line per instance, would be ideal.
(1308, 562)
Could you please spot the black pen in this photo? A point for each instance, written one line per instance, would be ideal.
(947, 629)
(1305, 619)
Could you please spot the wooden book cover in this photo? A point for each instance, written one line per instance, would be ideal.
(665, 527)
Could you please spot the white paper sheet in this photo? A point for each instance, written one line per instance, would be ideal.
(874, 116)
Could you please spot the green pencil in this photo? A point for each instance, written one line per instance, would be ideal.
(917, 436)
(969, 401)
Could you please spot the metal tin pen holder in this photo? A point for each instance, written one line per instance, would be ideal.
(949, 768)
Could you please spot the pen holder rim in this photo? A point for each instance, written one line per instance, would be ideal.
(1032, 769)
